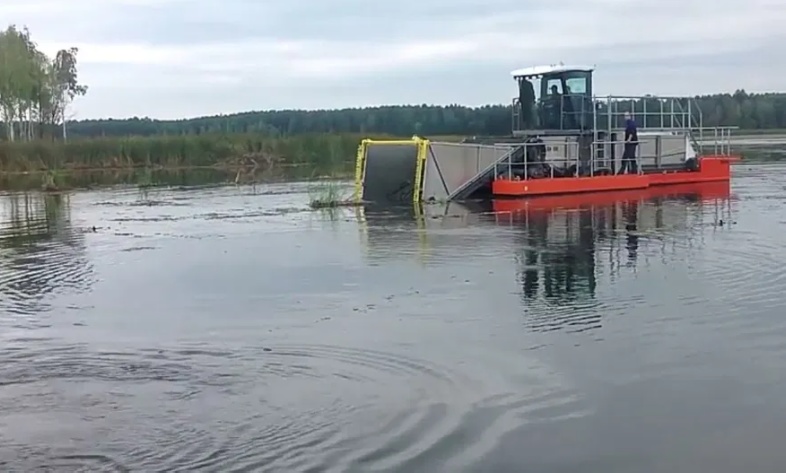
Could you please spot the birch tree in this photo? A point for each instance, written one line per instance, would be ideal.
(65, 79)
(35, 91)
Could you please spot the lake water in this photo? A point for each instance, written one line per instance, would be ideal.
(232, 329)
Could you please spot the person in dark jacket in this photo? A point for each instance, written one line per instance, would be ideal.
(631, 142)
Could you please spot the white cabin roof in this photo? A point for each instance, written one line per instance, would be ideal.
(540, 70)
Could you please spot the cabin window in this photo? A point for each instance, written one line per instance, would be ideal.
(576, 85)
(553, 86)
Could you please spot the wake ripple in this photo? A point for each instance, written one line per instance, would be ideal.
(277, 408)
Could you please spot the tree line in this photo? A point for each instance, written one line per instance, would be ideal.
(35, 90)
(741, 109)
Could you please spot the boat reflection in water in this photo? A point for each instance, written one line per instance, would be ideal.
(561, 245)
(563, 234)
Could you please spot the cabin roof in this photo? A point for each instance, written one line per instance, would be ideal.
(552, 68)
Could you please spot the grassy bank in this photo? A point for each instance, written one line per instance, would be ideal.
(320, 152)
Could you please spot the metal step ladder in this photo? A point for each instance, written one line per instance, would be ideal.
(482, 178)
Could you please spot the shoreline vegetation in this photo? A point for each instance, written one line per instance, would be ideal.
(322, 153)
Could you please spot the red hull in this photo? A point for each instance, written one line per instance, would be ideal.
(704, 191)
(711, 169)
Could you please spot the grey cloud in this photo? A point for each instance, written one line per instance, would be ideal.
(466, 84)
(651, 65)
(208, 21)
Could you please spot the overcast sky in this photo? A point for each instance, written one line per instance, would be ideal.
(184, 58)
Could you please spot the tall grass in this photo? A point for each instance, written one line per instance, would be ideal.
(322, 152)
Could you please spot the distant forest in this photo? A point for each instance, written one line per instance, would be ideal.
(747, 111)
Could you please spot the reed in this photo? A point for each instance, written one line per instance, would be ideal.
(322, 152)
(330, 193)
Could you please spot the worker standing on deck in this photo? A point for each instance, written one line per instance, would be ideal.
(629, 152)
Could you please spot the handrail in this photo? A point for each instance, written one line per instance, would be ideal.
(652, 112)
(567, 161)
(590, 163)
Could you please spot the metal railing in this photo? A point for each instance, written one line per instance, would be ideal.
(571, 164)
(649, 111)
(575, 111)
(715, 139)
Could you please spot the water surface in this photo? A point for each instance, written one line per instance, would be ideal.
(231, 329)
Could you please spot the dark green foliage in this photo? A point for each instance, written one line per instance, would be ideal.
(747, 111)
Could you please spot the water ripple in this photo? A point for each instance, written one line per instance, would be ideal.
(261, 424)
(44, 255)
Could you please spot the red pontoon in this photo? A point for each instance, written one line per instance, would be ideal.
(710, 169)
(701, 191)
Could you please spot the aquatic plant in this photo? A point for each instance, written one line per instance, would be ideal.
(145, 179)
(329, 193)
(53, 181)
